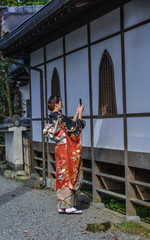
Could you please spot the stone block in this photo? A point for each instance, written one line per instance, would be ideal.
(21, 173)
(9, 174)
(31, 183)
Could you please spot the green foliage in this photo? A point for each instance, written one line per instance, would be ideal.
(22, 2)
(133, 228)
(115, 204)
(19, 180)
(120, 206)
(9, 104)
(144, 213)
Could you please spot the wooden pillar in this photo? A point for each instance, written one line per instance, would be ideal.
(95, 180)
(129, 175)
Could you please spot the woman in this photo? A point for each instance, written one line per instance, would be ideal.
(67, 135)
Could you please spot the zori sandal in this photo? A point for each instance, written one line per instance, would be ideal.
(61, 210)
(73, 210)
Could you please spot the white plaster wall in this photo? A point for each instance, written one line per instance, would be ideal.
(105, 25)
(54, 49)
(86, 134)
(137, 66)
(77, 78)
(136, 11)
(35, 94)
(25, 91)
(113, 46)
(25, 94)
(36, 131)
(139, 134)
(108, 133)
(76, 39)
(37, 57)
(59, 64)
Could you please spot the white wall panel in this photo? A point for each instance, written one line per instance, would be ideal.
(77, 77)
(108, 133)
(37, 57)
(36, 131)
(86, 134)
(137, 63)
(139, 134)
(113, 46)
(76, 39)
(105, 25)
(35, 94)
(25, 94)
(54, 49)
(136, 11)
(60, 68)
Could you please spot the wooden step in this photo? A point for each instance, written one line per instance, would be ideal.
(52, 161)
(140, 202)
(53, 172)
(114, 194)
(87, 169)
(113, 177)
(143, 184)
(39, 168)
(39, 159)
(87, 182)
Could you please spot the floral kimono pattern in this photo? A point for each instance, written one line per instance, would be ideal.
(69, 175)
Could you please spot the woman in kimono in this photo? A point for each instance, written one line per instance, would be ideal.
(67, 135)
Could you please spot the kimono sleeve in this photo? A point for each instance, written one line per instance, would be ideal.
(69, 126)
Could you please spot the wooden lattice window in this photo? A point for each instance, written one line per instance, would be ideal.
(55, 84)
(107, 95)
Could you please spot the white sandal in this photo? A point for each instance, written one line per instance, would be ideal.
(61, 211)
(73, 210)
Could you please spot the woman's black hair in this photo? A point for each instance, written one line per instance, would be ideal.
(54, 99)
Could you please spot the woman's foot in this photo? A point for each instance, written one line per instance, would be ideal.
(62, 210)
(73, 210)
(70, 210)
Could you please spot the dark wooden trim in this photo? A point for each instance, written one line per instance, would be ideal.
(36, 119)
(108, 116)
(106, 38)
(72, 26)
(113, 156)
(137, 25)
(39, 65)
(138, 114)
(129, 174)
(32, 164)
(139, 160)
(45, 70)
(77, 50)
(65, 84)
(54, 59)
(87, 153)
(109, 156)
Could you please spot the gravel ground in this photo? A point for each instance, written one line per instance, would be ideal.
(32, 215)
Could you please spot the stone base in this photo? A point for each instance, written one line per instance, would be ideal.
(31, 183)
(16, 167)
(131, 218)
(97, 204)
(82, 198)
(51, 183)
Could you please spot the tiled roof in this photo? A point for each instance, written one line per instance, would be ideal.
(14, 16)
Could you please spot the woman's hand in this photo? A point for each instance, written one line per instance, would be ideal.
(81, 108)
(76, 115)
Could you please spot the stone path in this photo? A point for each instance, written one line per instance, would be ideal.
(32, 215)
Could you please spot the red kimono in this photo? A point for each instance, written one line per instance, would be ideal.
(69, 175)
